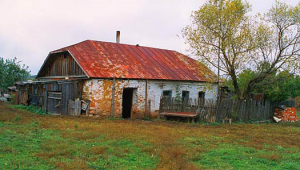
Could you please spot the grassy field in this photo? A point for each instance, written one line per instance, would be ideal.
(32, 141)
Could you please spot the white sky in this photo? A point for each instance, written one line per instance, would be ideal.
(30, 29)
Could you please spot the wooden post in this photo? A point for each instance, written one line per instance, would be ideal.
(112, 108)
(70, 108)
(149, 108)
(62, 99)
(161, 104)
(146, 99)
(46, 98)
(16, 97)
(78, 107)
(88, 108)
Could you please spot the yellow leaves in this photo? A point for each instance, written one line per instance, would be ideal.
(222, 29)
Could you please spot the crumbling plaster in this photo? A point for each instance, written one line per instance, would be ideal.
(99, 92)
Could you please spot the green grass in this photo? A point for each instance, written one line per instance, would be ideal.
(32, 147)
(233, 156)
(32, 141)
(18, 149)
(229, 156)
(222, 155)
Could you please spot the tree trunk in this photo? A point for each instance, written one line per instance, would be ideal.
(235, 84)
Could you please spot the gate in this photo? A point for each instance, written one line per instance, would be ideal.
(55, 104)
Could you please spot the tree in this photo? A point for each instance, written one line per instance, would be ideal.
(278, 86)
(222, 30)
(287, 86)
(11, 71)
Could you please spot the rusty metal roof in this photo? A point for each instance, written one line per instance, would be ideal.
(114, 60)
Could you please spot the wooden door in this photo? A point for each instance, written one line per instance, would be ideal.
(55, 104)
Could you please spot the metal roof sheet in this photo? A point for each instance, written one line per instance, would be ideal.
(114, 60)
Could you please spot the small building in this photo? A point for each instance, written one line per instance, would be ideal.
(119, 80)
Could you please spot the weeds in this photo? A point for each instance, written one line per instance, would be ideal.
(30, 108)
(17, 118)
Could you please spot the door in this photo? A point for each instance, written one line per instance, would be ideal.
(127, 102)
(201, 96)
(185, 97)
(55, 102)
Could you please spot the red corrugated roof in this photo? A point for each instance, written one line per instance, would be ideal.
(113, 60)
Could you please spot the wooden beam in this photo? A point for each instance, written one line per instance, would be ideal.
(62, 77)
(112, 108)
(146, 100)
(46, 98)
(179, 115)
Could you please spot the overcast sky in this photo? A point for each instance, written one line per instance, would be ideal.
(30, 29)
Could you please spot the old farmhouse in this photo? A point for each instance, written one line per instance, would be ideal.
(116, 80)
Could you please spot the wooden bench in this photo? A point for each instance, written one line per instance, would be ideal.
(190, 116)
(227, 120)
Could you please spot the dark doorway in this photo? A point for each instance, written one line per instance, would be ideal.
(185, 97)
(201, 98)
(127, 102)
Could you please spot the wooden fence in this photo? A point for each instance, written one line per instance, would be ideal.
(172, 104)
(244, 110)
(211, 111)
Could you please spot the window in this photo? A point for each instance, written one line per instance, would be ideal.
(201, 96)
(167, 93)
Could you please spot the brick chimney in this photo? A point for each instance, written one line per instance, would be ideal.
(118, 37)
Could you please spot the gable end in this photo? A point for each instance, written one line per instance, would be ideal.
(60, 65)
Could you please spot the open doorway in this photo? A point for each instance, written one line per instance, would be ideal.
(201, 97)
(127, 102)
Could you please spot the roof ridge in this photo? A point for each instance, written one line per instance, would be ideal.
(71, 45)
(131, 45)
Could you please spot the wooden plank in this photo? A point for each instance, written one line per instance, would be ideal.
(87, 111)
(46, 98)
(161, 105)
(64, 100)
(178, 114)
(62, 77)
(56, 98)
(77, 107)
(71, 108)
(50, 92)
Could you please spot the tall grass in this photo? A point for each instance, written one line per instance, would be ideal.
(30, 108)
